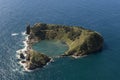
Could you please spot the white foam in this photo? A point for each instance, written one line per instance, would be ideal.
(52, 60)
(25, 67)
(76, 57)
(23, 64)
(15, 70)
(25, 44)
(27, 70)
(18, 51)
(23, 33)
(18, 56)
(14, 34)
(23, 52)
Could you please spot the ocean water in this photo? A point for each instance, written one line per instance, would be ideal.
(100, 15)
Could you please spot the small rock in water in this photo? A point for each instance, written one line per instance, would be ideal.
(22, 56)
(28, 29)
(23, 61)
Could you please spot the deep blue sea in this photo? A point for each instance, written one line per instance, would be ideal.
(100, 15)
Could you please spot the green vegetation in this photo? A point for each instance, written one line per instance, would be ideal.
(79, 40)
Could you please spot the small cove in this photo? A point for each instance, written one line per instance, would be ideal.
(51, 48)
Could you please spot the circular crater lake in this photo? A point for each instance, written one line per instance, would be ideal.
(50, 47)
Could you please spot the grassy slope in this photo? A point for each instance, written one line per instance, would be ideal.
(37, 60)
(79, 40)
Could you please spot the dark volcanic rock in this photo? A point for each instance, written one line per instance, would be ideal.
(28, 29)
(23, 61)
(22, 56)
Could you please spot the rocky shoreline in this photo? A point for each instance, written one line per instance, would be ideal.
(24, 55)
(80, 41)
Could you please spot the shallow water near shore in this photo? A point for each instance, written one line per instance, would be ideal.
(99, 15)
(51, 48)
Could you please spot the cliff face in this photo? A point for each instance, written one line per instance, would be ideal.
(80, 41)
(28, 29)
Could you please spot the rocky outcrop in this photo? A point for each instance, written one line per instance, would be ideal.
(36, 60)
(28, 29)
(22, 56)
(80, 41)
